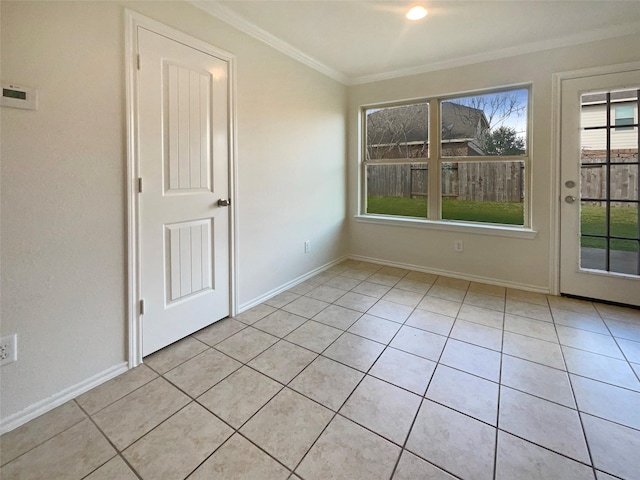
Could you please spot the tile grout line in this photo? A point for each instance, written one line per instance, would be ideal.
(389, 346)
(237, 430)
(495, 450)
(90, 416)
(118, 399)
(608, 384)
(573, 393)
(193, 400)
(336, 413)
(615, 339)
(537, 444)
(569, 373)
(51, 437)
(510, 433)
(281, 389)
(118, 451)
(422, 399)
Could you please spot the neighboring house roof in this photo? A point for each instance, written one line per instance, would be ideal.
(403, 124)
(409, 124)
(460, 121)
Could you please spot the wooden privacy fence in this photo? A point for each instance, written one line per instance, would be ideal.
(624, 182)
(494, 182)
(478, 181)
(484, 182)
(624, 175)
(397, 180)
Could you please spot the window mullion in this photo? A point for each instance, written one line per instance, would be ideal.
(435, 185)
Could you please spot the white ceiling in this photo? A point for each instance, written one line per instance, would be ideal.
(362, 41)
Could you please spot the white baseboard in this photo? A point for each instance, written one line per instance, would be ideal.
(447, 273)
(43, 406)
(288, 285)
(406, 266)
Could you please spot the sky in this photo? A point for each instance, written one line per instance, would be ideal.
(516, 121)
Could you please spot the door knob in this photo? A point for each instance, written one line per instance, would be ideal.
(569, 199)
(223, 202)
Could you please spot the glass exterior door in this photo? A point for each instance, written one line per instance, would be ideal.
(599, 202)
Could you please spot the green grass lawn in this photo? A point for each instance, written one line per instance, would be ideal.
(624, 221)
(488, 212)
(510, 213)
(402, 206)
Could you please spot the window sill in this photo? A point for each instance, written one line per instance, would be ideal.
(450, 226)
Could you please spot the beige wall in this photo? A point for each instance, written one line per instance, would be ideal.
(509, 261)
(63, 218)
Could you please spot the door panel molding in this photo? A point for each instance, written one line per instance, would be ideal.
(133, 21)
(190, 170)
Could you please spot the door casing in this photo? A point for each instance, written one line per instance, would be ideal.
(558, 78)
(134, 20)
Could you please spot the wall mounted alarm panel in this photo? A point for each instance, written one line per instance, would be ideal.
(19, 97)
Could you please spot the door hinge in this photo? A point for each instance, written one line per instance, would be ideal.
(138, 61)
(141, 307)
(139, 184)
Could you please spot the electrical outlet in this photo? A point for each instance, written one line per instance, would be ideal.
(8, 349)
(307, 246)
(457, 246)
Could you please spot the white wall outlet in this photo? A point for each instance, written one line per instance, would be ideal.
(457, 246)
(307, 246)
(8, 349)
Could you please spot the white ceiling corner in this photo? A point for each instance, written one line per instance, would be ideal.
(379, 44)
(235, 20)
(539, 46)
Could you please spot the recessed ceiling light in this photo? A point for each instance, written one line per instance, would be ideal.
(417, 12)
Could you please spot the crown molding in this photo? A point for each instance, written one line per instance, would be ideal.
(232, 18)
(235, 20)
(533, 47)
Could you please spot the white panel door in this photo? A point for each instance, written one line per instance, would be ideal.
(183, 142)
(600, 219)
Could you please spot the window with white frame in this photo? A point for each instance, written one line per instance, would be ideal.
(474, 170)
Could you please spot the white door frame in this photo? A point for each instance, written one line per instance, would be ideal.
(132, 21)
(556, 135)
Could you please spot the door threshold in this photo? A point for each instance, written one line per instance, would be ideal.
(597, 300)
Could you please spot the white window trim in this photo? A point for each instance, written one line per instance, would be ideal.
(497, 230)
(434, 163)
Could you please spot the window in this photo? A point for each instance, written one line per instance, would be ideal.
(624, 117)
(474, 171)
(397, 168)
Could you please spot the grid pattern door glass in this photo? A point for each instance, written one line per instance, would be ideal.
(609, 183)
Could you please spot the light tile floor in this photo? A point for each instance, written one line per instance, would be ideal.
(364, 372)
